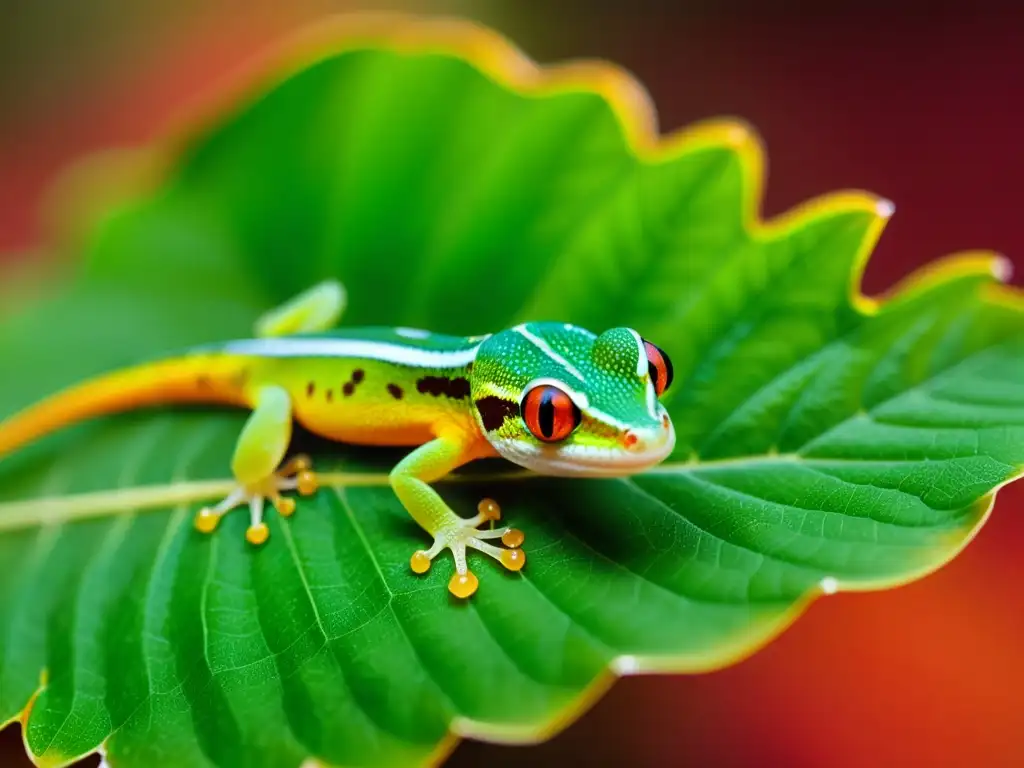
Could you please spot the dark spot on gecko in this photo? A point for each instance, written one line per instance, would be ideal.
(357, 375)
(440, 385)
(494, 410)
(396, 391)
(310, 389)
(348, 389)
(330, 395)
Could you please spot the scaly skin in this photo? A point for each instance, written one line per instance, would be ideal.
(551, 397)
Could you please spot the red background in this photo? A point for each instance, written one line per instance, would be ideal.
(922, 108)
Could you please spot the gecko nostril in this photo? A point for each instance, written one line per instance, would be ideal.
(630, 439)
(665, 421)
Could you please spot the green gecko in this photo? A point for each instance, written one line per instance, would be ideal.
(552, 397)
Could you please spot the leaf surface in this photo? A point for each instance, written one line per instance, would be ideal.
(825, 441)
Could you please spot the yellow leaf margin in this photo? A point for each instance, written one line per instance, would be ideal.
(123, 173)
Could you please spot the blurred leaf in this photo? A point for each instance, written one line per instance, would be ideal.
(824, 441)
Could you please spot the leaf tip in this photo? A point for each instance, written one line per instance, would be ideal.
(1002, 268)
(984, 266)
(884, 208)
(738, 135)
(626, 665)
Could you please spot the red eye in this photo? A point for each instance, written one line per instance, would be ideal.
(659, 367)
(549, 413)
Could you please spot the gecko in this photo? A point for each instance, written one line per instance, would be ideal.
(551, 397)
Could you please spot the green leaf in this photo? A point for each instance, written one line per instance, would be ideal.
(825, 441)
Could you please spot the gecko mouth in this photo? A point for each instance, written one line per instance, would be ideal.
(592, 461)
(611, 464)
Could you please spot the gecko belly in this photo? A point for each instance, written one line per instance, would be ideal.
(369, 402)
(410, 420)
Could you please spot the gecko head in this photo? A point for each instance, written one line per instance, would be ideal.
(559, 400)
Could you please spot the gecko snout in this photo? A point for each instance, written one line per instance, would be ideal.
(643, 440)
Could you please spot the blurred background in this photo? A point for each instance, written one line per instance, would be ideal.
(921, 106)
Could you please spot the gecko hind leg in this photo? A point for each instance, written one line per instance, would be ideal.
(257, 468)
(317, 309)
(266, 434)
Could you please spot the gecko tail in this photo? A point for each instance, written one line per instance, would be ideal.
(193, 379)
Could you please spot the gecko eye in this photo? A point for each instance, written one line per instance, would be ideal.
(550, 414)
(659, 367)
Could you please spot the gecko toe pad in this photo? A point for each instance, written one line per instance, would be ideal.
(257, 534)
(294, 475)
(207, 520)
(463, 584)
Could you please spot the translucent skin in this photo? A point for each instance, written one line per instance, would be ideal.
(456, 399)
(365, 400)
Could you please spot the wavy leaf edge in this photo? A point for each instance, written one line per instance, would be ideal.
(497, 57)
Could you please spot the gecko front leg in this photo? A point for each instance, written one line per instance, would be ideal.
(410, 480)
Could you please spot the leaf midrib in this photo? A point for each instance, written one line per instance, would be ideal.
(16, 515)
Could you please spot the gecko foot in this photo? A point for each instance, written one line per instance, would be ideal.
(462, 533)
(295, 474)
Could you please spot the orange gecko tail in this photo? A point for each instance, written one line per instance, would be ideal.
(194, 379)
